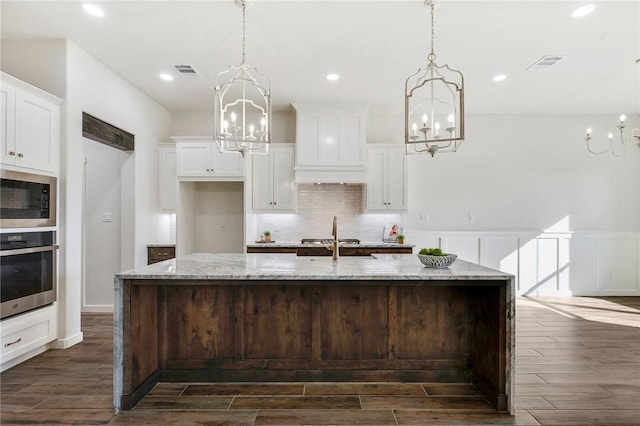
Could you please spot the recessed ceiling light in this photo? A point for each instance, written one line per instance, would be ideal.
(333, 76)
(499, 77)
(166, 77)
(583, 10)
(92, 9)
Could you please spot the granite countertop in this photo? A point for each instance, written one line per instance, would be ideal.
(207, 266)
(296, 244)
(162, 245)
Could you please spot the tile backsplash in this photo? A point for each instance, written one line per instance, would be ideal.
(317, 204)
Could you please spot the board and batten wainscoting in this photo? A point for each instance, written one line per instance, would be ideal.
(549, 263)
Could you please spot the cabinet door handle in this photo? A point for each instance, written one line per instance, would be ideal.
(13, 343)
(12, 153)
(20, 154)
(162, 253)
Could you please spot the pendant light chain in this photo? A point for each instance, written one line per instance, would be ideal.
(244, 25)
(432, 55)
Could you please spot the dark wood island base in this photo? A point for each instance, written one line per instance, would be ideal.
(334, 330)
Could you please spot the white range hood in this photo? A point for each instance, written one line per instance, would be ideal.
(330, 142)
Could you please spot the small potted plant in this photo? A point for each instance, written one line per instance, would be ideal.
(267, 235)
(400, 239)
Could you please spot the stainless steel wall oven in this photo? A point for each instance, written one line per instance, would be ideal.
(27, 200)
(28, 264)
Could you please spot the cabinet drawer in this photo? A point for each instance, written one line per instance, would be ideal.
(158, 254)
(30, 336)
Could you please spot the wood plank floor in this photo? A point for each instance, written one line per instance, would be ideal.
(578, 363)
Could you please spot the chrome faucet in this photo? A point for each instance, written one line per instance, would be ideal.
(335, 245)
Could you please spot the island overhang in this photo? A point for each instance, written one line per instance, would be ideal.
(257, 317)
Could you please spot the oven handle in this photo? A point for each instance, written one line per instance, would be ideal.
(28, 250)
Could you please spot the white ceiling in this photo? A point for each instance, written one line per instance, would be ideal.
(373, 45)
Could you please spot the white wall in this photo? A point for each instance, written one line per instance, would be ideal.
(96, 90)
(91, 87)
(26, 60)
(212, 217)
(527, 173)
(201, 124)
(102, 239)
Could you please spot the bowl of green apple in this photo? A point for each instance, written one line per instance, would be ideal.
(435, 258)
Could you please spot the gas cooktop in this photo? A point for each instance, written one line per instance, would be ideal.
(312, 241)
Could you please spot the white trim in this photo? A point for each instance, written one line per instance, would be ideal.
(529, 263)
(66, 343)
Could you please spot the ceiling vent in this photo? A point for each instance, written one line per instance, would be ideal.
(546, 62)
(185, 70)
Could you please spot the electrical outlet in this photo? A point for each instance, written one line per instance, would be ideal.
(472, 217)
(222, 227)
(107, 217)
(424, 217)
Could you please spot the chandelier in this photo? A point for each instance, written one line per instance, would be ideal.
(434, 105)
(242, 106)
(615, 145)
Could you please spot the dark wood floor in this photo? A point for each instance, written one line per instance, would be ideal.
(578, 363)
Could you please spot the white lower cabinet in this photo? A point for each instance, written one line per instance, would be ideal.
(199, 157)
(273, 187)
(26, 335)
(386, 178)
(30, 120)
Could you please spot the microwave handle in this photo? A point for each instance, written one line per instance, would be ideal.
(28, 250)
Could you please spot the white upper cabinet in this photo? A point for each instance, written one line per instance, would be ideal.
(386, 178)
(167, 179)
(330, 143)
(273, 187)
(198, 158)
(30, 133)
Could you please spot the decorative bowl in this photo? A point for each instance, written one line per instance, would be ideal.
(437, 262)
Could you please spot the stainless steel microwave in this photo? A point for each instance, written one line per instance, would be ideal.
(27, 200)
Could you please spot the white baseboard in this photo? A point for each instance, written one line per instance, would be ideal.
(66, 343)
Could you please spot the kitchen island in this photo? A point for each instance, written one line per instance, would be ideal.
(280, 317)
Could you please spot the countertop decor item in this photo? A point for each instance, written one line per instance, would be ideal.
(391, 232)
(432, 261)
(434, 105)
